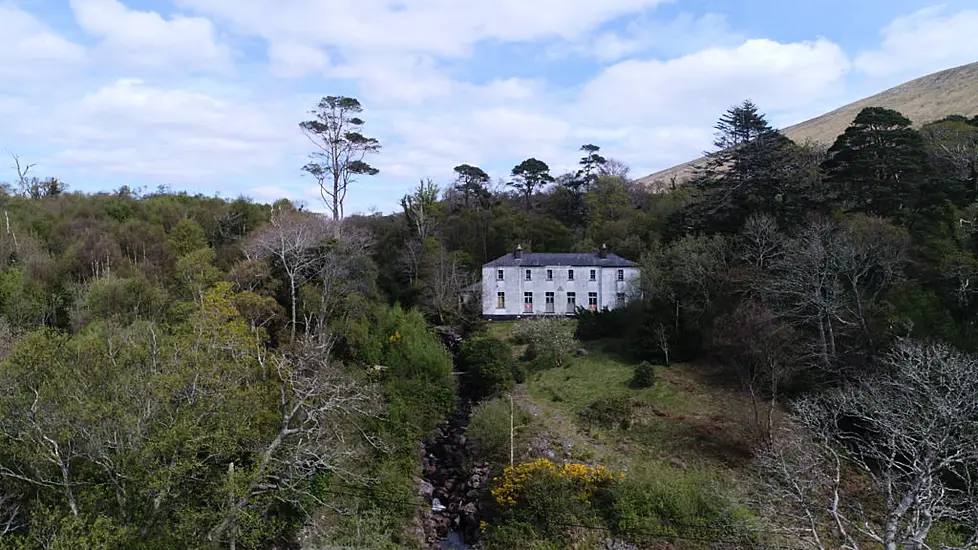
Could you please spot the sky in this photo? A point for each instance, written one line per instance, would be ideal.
(206, 95)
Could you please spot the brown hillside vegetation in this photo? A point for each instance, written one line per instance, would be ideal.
(932, 97)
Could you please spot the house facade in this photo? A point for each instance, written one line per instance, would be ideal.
(522, 284)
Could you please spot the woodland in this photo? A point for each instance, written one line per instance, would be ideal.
(184, 371)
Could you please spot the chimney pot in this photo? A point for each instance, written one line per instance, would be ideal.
(518, 254)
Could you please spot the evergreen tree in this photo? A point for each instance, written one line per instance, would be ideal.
(879, 164)
(472, 182)
(530, 175)
(755, 169)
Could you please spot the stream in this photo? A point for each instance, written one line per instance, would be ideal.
(451, 483)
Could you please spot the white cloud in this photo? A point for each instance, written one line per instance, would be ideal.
(684, 34)
(31, 51)
(294, 60)
(442, 27)
(923, 42)
(698, 87)
(130, 128)
(147, 40)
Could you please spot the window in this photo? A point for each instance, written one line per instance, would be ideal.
(619, 299)
(571, 302)
(549, 299)
(621, 274)
(550, 274)
(528, 273)
(594, 274)
(528, 302)
(592, 301)
(499, 274)
(570, 274)
(500, 300)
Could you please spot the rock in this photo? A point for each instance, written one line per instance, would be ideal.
(427, 490)
(581, 352)
(469, 509)
(449, 483)
(676, 463)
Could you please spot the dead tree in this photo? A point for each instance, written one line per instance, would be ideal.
(911, 430)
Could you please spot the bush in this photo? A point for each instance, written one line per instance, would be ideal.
(644, 376)
(549, 496)
(595, 325)
(489, 366)
(671, 502)
(610, 412)
(489, 428)
(551, 340)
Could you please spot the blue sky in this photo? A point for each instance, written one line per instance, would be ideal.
(206, 95)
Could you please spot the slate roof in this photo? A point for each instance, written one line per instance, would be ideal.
(576, 259)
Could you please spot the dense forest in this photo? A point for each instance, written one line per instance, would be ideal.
(183, 371)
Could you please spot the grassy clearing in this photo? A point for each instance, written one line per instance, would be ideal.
(680, 452)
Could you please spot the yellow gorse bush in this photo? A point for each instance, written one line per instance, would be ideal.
(395, 338)
(586, 479)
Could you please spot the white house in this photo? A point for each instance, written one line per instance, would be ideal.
(544, 283)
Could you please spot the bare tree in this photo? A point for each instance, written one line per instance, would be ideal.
(763, 243)
(911, 430)
(805, 290)
(335, 130)
(292, 240)
(758, 347)
(10, 514)
(615, 168)
(444, 280)
(322, 409)
(343, 272)
(868, 254)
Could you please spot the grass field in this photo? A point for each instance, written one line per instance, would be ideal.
(687, 420)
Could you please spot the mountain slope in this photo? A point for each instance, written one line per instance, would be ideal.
(932, 97)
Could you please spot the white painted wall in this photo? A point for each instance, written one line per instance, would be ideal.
(514, 284)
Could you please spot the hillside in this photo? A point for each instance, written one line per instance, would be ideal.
(925, 99)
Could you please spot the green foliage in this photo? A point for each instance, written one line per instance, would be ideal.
(673, 503)
(616, 411)
(186, 237)
(551, 340)
(644, 375)
(489, 427)
(489, 365)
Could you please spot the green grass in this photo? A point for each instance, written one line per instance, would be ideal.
(681, 450)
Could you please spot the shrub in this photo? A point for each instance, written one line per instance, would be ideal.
(644, 376)
(670, 502)
(551, 340)
(489, 427)
(489, 365)
(547, 495)
(610, 412)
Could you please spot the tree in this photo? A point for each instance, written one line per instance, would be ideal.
(420, 209)
(291, 239)
(755, 169)
(443, 281)
(753, 342)
(472, 182)
(911, 429)
(591, 165)
(335, 130)
(551, 339)
(530, 175)
(879, 164)
(614, 168)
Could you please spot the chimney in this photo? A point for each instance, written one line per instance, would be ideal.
(604, 251)
(518, 254)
